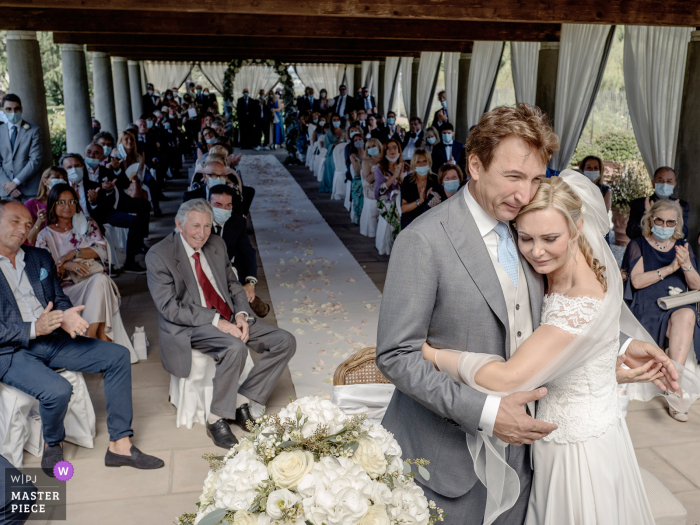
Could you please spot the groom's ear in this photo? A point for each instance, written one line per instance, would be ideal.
(474, 166)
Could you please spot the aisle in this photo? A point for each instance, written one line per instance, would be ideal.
(318, 290)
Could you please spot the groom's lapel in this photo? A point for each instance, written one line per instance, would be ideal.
(464, 235)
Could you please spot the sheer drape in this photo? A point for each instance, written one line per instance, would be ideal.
(350, 79)
(215, 73)
(165, 75)
(254, 78)
(654, 68)
(320, 76)
(486, 57)
(427, 69)
(391, 80)
(451, 68)
(524, 57)
(406, 79)
(583, 53)
(366, 73)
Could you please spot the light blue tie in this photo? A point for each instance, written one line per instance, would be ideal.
(507, 255)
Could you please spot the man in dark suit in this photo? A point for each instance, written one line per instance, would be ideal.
(20, 152)
(449, 151)
(150, 101)
(390, 130)
(202, 305)
(40, 330)
(441, 116)
(664, 186)
(307, 104)
(247, 109)
(263, 115)
(343, 104)
(413, 139)
(367, 102)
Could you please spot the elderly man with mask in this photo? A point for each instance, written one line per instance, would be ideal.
(202, 306)
(664, 187)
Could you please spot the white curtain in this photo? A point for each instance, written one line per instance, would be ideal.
(340, 76)
(654, 67)
(406, 79)
(451, 67)
(583, 52)
(429, 64)
(254, 78)
(319, 76)
(215, 72)
(366, 74)
(486, 57)
(165, 75)
(350, 79)
(524, 57)
(391, 68)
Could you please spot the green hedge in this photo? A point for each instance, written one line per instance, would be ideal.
(617, 146)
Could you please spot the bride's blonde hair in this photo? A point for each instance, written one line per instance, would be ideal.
(556, 193)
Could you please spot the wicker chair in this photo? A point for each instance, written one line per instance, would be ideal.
(359, 369)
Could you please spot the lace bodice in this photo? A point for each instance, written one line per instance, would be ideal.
(583, 403)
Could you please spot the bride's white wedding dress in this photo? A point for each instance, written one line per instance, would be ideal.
(586, 471)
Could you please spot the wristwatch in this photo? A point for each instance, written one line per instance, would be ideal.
(251, 281)
(417, 202)
(77, 252)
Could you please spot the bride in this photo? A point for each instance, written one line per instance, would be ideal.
(586, 471)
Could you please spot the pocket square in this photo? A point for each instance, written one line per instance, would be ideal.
(43, 274)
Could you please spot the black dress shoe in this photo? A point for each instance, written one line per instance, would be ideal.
(51, 456)
(221, 434)
(137, 459)
(243, 417)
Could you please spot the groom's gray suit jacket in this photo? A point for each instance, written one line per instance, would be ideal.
(441, 287)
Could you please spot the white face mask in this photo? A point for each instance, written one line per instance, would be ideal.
(53, 182)
(75, 174)
(592, 175)
(221, 215)
(213, 181)
(392, 159)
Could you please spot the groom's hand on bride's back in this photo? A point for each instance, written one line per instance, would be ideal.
(514, 425)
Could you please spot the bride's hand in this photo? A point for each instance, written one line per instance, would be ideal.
(639, 353)
(428, 353)
(651, 371)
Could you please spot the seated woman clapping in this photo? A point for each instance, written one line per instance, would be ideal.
(37, 206)
(80, 253)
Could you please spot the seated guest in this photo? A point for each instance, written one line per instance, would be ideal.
(389, 172)
(413, 139)
(106, 140)
(41, 330)
(208, 137)
(664, 186)
(362, 119)
(373, 131)
(420, 190)
(214, 172)
(450, 179)
(127, 153)
(333, 136)
(82, 263)
(37, 206)
(432, 139)
(232, 229)
(374, 153)
(449, 150)
(391, 130)
(655, 263)
(215, 321)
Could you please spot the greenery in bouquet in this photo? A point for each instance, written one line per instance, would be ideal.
(313, 465)
(629, 183)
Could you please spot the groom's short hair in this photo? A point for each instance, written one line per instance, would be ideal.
(524, 121)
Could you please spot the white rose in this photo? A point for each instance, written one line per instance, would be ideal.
(280, 501)
(243, 517)
(287, 469)
(385, 439)
(370, 457)
(316, 412)
(381, 494)
(396, 465)
(210, 486)
(376, 515)
(243, 445)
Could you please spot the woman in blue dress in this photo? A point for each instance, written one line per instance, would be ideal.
(332, 137)
(656, 265)
(277, 107)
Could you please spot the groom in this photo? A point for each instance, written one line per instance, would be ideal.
(457, 280)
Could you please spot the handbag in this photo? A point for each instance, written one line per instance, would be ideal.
(94, 266)
(674, 300)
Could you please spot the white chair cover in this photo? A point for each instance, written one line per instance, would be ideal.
(312, 147)
(192, 395)
(339, 174)
(116, 237)
(20, 423)
(383, 242)
(369, 218)
(320, 163)
(348, 195)
(371, 399)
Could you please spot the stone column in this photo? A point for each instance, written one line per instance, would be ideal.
(414, 90)
(27, 82)
(462, 124)
(357, 79)
(122, 99)
(76, 98)
(687, 151)
(380, 96)
(547, 68)
(135, 90)
(103, 88)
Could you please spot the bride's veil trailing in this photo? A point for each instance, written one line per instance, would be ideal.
(613, 317)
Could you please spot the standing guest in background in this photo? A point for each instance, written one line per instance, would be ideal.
(96, 126)
(420, 190)
(664, 186)
(450, 179)
(342, 104)
(247, 110)
(150, 100)
(20, 152)
(432, 139)
(413, 139)
(449, 151)
(277, 108)
(323, 102)
(367, 102)
(441, 116)
(391, 130)
(37, 206)
(355, 155)
(362, 118)
(332, 137)
(262, 122)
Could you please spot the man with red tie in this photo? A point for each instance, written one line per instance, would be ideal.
(202, 306)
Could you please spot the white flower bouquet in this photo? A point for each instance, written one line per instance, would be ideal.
(313, 465)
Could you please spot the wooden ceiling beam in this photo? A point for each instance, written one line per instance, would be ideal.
(207, 24)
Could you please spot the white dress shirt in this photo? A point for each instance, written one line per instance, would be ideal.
(29, 306)
(448, 156)
(411, 146)
(341, 104)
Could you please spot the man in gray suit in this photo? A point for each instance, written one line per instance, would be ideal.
(203, 306)
(20, 152)
(456, 280)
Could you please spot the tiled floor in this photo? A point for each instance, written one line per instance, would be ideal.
(670, 450)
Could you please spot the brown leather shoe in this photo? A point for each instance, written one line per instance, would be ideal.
(260, 307)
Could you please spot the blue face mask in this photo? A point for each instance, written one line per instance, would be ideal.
(663, 190)
(92, 163)
(451, 186)
(431, 140)
(107, 150)
(662, 233)
(353, 133)
(14, 118)
(359, 144)
(444, 103)
(166, 125)
(149, 124)
(53, 182)
(336, 123)
(221, 215)
(209, 141)
(391, 121)
(245, 95)
(422, 170)
(373, 152)
(447, 138)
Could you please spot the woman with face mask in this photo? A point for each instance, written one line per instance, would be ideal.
(374, 152)
(37, 206)
(323, 102)
(451, 179)
(420, 190)
(331, 139)
(388, 176)
(357, 155)
(432, 139)
(593, 168)
(655, 264)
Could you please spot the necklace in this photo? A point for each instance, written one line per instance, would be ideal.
(662, 247)
(62, 228)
